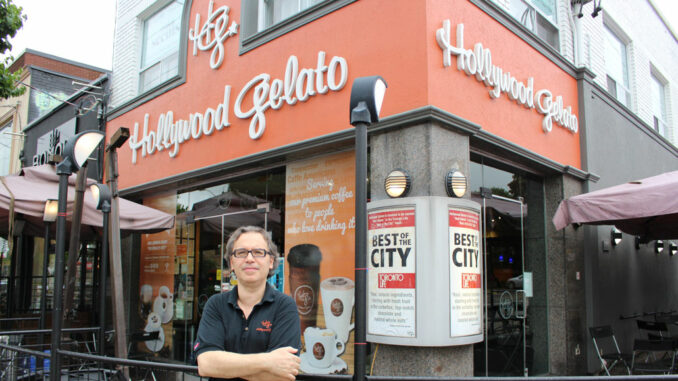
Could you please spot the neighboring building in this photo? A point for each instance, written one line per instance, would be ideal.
(50, 81)
(59, 98)
(239, 114)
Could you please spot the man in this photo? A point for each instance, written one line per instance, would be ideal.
(251, 332)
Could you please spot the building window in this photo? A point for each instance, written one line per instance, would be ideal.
(5, 148)
(275, 11)
(616, 67)
(265, 20)
(539, 16)
(658, 105)
(160, 46)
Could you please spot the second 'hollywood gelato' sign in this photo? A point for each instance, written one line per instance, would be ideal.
(478, 63)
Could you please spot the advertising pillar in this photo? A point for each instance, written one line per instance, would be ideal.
(425, 272)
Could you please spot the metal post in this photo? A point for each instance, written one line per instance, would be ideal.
(115, 259)
(102, 287)
(360, 342)
(57, 313)
(43, 297)
(74, 241)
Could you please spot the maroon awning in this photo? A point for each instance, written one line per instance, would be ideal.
(646, 208)
(34, 185)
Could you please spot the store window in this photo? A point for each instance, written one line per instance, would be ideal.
(179, 269)
(5, 148)
(160, 46)
(264, 20)
(658, 89)
(539, 16)
(616, 66)
(5, 266)
(308, 208)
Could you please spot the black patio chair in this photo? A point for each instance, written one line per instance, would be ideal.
(656, 330)
(140, 337)
(653, 356)
(608, 350)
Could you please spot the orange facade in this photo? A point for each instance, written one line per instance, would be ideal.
(221, 110)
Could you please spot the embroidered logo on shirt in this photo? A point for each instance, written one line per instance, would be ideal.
(195, 347)
(266, 326)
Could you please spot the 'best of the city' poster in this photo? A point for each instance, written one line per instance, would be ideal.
(320, 257)
(391, 257)
(465, 273)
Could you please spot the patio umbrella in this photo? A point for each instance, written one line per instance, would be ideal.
(647, 208)
(29, 190)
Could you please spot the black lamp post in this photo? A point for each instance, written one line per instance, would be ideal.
(76, 151)
(102, 196)
(367, 95)
(48, 217)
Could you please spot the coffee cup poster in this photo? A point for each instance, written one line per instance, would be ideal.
(391, 258)
(156, 280)
(319, 254)
(465, 273)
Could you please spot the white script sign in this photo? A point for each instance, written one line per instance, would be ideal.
(298, 85)
(478, 63)
(213, 33)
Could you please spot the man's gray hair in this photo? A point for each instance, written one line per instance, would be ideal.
(253, 229)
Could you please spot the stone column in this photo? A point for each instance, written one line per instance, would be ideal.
(427, 150)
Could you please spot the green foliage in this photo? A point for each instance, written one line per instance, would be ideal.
(11, 20)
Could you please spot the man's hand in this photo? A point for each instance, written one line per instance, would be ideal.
(283, 363)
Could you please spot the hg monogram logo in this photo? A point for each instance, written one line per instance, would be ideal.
(213, 33)
(267, 326)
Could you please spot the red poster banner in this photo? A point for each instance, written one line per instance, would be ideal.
(156, 278)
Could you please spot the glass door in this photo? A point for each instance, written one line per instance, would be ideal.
(506, 285)
(514, 239)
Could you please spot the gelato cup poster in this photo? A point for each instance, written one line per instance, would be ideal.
(391, 300)
(319, 258)
(465, 275)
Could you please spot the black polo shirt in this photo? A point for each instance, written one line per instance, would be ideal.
(273, 323)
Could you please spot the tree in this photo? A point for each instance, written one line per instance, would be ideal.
(11, 20)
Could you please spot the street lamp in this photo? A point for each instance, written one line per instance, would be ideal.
(76, 151)
(102, 197)
(367, 95)
(49, 216)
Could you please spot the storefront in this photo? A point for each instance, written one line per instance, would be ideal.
(259, 134)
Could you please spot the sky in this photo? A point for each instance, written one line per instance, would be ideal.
(77, 30)
(82, 30)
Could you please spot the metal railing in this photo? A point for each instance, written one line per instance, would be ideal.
(27, 359)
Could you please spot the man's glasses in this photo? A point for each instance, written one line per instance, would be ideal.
(256, 253)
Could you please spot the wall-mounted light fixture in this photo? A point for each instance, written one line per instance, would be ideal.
(397, 183)
(616, 236)
(673, 249)
(658, 246)
(455, 183)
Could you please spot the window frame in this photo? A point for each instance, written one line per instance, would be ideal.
(626, 96)
(659, 120)
(143, 69)
(8, 125)
(540, 22)
(251, 37)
